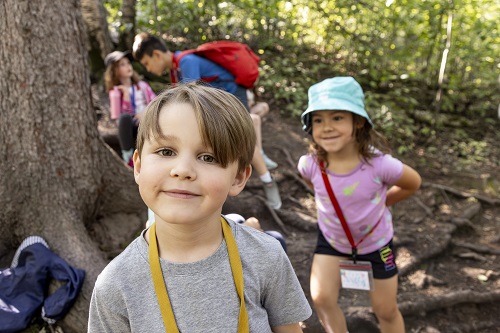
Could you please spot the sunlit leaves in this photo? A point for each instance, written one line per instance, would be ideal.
(377, 41)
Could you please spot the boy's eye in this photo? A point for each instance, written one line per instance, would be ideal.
(165, 152)
(316, 120)
(338, 118)
(208, 158)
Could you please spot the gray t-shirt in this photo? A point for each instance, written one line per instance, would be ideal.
(202, 293)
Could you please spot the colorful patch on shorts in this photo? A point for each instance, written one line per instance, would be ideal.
(388, 258)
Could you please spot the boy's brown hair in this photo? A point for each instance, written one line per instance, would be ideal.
(145, 44)
(224, 123)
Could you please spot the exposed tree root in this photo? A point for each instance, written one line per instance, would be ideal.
(442, 244)
(292, 199)
(438, 247)
(299, 180)
(435, 302)
(460, 222)
(364, 318)
(274, 215)
(428, 211)
(289, 158)
(471, 211)
(463, 194)
(476, 247)
(477, 326)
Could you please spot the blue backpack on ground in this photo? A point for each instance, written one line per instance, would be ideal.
(24, 286)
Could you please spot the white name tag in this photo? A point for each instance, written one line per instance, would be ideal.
(357, 275)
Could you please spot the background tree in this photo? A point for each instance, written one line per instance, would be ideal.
(127, 25)
(99, 39)
(59, 179)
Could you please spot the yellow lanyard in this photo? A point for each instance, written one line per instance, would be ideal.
(161, 289)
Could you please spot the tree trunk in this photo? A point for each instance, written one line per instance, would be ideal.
(58, 177)
(99, 39)
(127, 33)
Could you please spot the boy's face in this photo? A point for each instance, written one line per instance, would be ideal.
(178, 177)
(154, 63)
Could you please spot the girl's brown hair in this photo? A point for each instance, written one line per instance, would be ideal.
(370, 142)
(111, 78)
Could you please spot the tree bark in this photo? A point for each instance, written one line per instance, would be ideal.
(58, 177)
(99, 39)
(127, 33)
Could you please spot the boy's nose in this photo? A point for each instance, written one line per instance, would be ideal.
(183, 170)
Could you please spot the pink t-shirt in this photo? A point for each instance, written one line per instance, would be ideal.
(361, 195)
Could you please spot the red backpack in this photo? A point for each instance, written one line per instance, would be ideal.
(236, 58)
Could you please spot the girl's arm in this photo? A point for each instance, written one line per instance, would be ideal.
(407, 184)
(307, 182)
(290, 328)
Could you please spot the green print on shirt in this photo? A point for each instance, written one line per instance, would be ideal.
(349, 190)
(366, 229)
(376, 200)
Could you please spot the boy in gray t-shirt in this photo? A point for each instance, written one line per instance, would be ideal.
(193, 270)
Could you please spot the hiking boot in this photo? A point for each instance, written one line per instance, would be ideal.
(272, 194)
(270, 164)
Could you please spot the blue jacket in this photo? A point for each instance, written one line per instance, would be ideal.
(24, 288)
(194, 68)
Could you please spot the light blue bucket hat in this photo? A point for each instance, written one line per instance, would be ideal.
(338, 93)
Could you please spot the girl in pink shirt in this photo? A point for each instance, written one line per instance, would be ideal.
(348, 166)
(135, 95)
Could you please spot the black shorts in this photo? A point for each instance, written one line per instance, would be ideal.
(383, 260)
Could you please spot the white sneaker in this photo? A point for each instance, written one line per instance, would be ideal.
(272, 194)
(270, 164)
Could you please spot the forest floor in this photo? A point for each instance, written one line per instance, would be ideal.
(446, 236)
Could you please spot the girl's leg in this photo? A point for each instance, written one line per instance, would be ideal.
(325, 287)
(257, 125)
(260, 109)
(126, 135)
(384, 303)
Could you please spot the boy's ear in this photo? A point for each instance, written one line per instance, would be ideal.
(240, 181)
(137, 165)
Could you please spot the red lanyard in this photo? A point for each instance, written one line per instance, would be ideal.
(340, 215)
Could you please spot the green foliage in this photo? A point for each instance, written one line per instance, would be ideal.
(393, 48)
